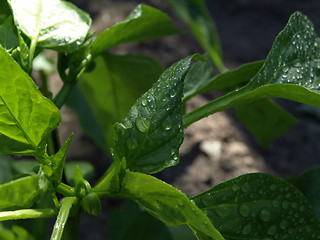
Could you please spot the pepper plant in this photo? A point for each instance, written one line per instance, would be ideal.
(144, 130)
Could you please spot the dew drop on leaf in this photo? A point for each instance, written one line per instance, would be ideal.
(265, 215)
(132, 143)
(244, 210)
(245, 187)
(272, 230)
(223, 210)
(142, 124)
(247, 229)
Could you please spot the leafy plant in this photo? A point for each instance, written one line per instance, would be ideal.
(144, 130)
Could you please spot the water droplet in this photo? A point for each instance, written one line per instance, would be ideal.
(275, 203)
(245, 187)
(235, 188)
(283, 224)
(288, 195)
(223, 210)
(272, 230)
(247, 229)
(132, 143)
(142, 124)
(285, 205)
(301, 208)
(173, 94)
(244, 210)
(265, 215)
(144, 103)
(273, 187)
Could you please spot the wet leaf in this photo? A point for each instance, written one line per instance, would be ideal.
(144, 23)
(22, 192)
(26, 117)
(52, 24)
(166, 203)
(150, 136)
(259, 206)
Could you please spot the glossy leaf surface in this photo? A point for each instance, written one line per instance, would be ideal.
(309, 184)
(52, 24)
(144, 23)
(166, 203)
(259, 206)
(150, 136)
(197, 16)
(115, 84)
(22, 192)
(26, 117)
(291, 71)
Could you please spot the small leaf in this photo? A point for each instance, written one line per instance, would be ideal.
(21, 193)
(259, 206)
(26, 117)
(53, 24)
(150, 136)
(197, 16)
(8, 35)
(309, 184)
(144, 23)
(166, 203)
(113, 78)
(265, 119)
(53, 165)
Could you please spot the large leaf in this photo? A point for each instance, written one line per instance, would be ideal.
(197, 16)
(114, 86)
(309, 184)
(291, 71)
(5, 168)
(259, 206)
(26, 117)
(150, 136)
(52, 24)
(144, 23)
(22, 192)
(4, 10)
(166, 203)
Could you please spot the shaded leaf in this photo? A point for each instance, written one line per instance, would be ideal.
(8, 35)
(52, 24)
(114, 86)
(24, 166)
(197, 16)
(259, 206)
(21, 193)
(309, 184)
(86, 168)
(291, 71)
(166, 203)
(4, 10)
(150, 136)
(265, 119)
(5, 168)
(144, 23)
(26, 117)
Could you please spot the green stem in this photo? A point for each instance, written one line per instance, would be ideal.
(28, 213)
(62, 217)
(220, 104)
(65, 190)
(33, 45)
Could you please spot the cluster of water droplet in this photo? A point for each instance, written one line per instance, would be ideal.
(259, 206)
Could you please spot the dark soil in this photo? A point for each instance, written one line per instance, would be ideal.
(216, 148)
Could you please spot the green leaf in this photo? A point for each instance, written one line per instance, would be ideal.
(166, 203)
(309, 184)
(114, 86)
(291, 71)
(24, 166)
(197, 16)
(26, 117)
(197, 78)
(4, 10)
(150, 136)
(8, 35)
(130, 221)
(265, 119)
(22, 234)
(86, 168)
(259, 206)
(5, 168)
(144, 23)
(21, 193)
(55, 24)
(53, 165)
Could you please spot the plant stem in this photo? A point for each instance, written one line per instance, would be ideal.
(62, 217)
(65, 190)
(214, 106)
(28, 213)
(33, 45)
